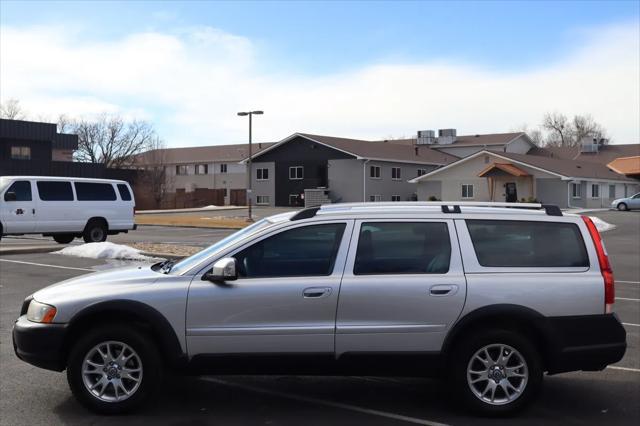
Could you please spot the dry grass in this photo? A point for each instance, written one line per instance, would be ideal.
(166, 249)
(190, 220)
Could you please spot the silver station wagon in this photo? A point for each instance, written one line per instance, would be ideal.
(485, 297)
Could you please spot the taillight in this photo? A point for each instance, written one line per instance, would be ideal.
(605, 266)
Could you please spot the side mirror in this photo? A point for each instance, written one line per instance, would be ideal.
(223, 270)
(10, 196)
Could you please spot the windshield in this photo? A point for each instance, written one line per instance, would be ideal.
(190, 262)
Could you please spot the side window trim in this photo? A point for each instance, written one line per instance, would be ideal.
(338, 265)
(455, 261)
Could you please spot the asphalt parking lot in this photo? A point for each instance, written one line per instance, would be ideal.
(31, 396)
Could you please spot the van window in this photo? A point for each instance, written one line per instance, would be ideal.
(89, 191)
(403, 248)
(125, 195)
(22, 189)
(304, 251)
(504, 243)
(55, 191)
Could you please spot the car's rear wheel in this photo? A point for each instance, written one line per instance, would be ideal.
(496, 372)
(623, 207)
(113, 369)
(95, 231)
(63, 238)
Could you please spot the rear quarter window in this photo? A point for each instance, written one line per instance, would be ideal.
(502, 243)
(125, 195)
(55, 191)
(89, 191)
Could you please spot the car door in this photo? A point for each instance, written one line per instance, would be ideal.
(58, 210)
(19, 208)
(284, 300)
(634, 201)
(402, 289)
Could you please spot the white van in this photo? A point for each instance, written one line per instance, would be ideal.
(65, 208)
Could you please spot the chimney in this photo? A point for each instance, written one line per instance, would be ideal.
(446, 136)
(589, 144)
(426, 137)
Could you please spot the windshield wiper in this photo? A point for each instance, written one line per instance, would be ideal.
(165, 267)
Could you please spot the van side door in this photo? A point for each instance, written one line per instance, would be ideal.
(57, 208)
(19, 208)
(402, 289)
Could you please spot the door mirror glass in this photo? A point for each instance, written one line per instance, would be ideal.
(223, 270)
(10, 196)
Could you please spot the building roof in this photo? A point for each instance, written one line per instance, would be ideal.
(369, 150)
(605, 154)
(37, 131)
(629, 166)
(503, 167)
(201, 154)
(563, 168)
(490, 139)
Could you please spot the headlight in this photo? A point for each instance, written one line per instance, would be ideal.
(39, 312)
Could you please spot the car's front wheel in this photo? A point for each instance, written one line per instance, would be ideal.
(113, 369)
(623, 207)
(496, 372)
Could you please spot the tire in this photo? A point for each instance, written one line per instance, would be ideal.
(63, 238)
(144, 363)
(525, 381)
(95, 231)
(623, 207)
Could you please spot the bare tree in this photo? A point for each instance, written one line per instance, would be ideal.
(558, 128)
(585, 126)
(112, 141)
(156, 177)
(535, 135)
(12, 110)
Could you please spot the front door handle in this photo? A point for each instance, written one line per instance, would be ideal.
(443, 290)
(316, 292)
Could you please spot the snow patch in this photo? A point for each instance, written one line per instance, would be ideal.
(209, 207)
(104, 250)
(601, 225)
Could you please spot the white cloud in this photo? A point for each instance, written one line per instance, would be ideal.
(191, 81)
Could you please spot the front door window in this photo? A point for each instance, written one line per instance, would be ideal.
(511, 192)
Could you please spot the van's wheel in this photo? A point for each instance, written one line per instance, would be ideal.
(114, 369)
(95, 231)
(623, 207)
(496, 372)
(63, 238)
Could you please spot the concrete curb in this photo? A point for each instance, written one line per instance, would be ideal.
(162, 255)
(28, 250)
(194, 210)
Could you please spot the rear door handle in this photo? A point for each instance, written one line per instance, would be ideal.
(443, 290)
(316, 292)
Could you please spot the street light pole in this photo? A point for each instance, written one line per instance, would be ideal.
(249, 175)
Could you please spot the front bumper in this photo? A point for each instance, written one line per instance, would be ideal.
(40, 344)
(587, 342)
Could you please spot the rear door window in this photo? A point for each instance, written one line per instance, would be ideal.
(504, 243)
(403, 248)
(55, 191)
(90, 191)
(125, 195)
(22, 189)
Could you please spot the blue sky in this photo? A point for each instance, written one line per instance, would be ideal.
(323, 44)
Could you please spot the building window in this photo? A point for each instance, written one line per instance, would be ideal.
(422, 172)
(612, 191)
(296, 173)
(375, 198)
(262, 174)
(576, 190)
(374, 172)
(395, 198)
(223, 168)
(262, 200)
(396, 174)
(20, 153)
(182, 170)
(202, 169)
(595, 190)
(467, 191)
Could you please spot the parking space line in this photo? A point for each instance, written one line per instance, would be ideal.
(628, 282)
(614, 367)
(326, 403)
(627, 298)
(632, 325)
(47, 265)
